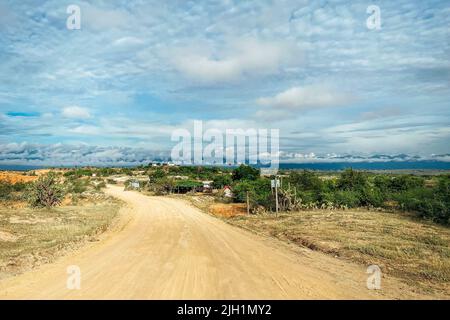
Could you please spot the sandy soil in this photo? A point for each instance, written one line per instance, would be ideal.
(165, 248)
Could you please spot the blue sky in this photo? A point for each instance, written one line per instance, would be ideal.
(114, 91)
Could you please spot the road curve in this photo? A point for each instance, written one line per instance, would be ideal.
(170, 250)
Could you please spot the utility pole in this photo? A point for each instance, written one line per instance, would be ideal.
(276, 195)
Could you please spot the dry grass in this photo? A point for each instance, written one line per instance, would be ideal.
(415, 251)
(30, 237)
(15, 177)
(228, 210)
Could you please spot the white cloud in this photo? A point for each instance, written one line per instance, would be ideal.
(240, 58)
(128, 42)
(88, 130)
(298, 98)
(74, 154)
(75, 112)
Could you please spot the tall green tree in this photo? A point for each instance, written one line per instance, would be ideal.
(244, 172)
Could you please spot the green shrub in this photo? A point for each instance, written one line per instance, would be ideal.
(405, 182)
(240, 190)
(100, 186)
(305, 180)
(77, 173)
(372, 196)
(352, 180)
(6, 190)
(326, 197)
(220, 181)
(166, 185)
(309, 197)
(105, 172)
(244, 172)
(348, 198)
(77, 186)
(382, 182)
(45, 192)
(428, 203)
(12, 191)
(259, 193)
(157, 174)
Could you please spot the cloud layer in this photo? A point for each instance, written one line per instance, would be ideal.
(299, 98)
(138, 70)
(80, 155)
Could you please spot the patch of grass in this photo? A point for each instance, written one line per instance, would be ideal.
(408, 248)
(30, 237)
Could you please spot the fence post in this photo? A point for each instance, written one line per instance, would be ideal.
(248, 204)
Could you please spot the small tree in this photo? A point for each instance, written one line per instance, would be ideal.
(352, 180)
(45, 192)
(244, 172)
(221, 181)
(157, 174)
(306, 180)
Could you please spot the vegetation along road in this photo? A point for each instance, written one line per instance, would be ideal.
(165, 248)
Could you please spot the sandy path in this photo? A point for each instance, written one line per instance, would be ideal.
(170, 250)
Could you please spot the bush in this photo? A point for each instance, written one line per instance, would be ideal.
(324, 197)
(382, 182)
(162, 185)
(263, 194)
(259, 193)
(5, 190)
(221, 181)
(12, 191)
(240, 190)
(104, 172)
(347, 198)
(306, 180)
(157, 174)
(352, 180)
(429, 203)
(244, 172)
(77, 186)
(405, 182)
(372, 196)
(77, 173)
(100, 186)
(310, 197)
(20, 186)
(45, 192)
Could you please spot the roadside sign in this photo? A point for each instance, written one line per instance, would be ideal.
(273, 181)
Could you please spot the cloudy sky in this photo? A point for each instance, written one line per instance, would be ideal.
(115, 90)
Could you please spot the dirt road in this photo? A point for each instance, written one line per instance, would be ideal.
(166, 249)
